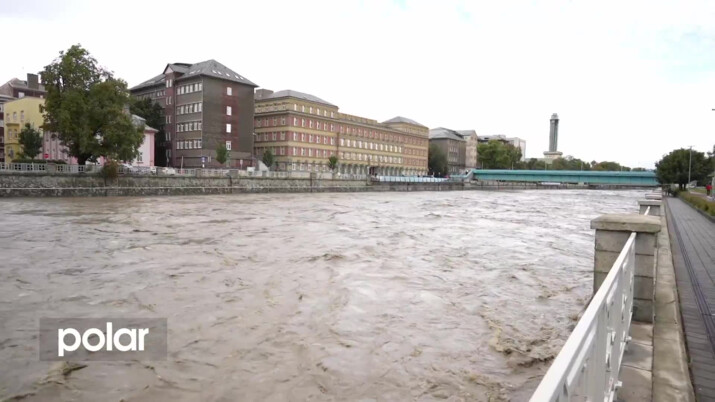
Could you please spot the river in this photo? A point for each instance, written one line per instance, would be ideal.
(290, 297)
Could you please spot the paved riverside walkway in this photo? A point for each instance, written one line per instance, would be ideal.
(693, 246)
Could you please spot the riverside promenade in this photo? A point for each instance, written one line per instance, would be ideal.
(693, 246)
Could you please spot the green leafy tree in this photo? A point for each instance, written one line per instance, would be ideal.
(437, 161)
(333, 162)
(608, 166)
(498, 155)
(85, 106)
(268, 158)
(221, 153)
(153, 113)
(31, 142)
(673, 168)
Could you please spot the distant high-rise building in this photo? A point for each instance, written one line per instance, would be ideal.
(553, 151)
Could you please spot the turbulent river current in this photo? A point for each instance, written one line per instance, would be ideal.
(291, 297)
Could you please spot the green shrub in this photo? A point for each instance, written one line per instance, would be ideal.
(110, 170)
(698, 202)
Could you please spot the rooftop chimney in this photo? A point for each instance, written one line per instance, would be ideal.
(32, 81)
(263, 93)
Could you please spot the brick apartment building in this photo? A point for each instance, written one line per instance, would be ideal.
(205, 104)
(17, 89)
(303, 131)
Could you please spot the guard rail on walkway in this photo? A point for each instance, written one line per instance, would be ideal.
(409, 179)
(588, 365)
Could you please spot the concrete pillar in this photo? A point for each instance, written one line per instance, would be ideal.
(656, 208)
(612, 233)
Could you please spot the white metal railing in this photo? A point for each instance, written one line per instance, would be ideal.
(410, 179)
(588, 365)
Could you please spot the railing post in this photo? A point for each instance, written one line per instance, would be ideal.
(612, 232)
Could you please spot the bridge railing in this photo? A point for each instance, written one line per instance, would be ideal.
(588, 365)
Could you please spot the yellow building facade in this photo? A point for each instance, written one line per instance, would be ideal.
(18, 113)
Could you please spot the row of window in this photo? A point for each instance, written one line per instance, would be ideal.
(14, 116)
(189, 126)
(357, 131)
(189, 144)
(190, 88)
(369, 158)
(325, 140)
(190, 108)
(370, 145)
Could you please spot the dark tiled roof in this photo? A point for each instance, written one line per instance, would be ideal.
(212, 68)
(400, 119)
(467, 133)
(209, 68)
(441, 132)
(289, 93)
(20, 84)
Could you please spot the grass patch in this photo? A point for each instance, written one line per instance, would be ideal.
(698, 202)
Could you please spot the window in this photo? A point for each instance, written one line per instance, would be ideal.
(332, 127)
(283, 121)
(22, 116)
(318, 110)
(302, 122)
(332, 141)
(283, 135)
(228, 110)
(228, 127)
(302, 137)
(295, 121)
(342, 142)
(311, 110)
(228, 145)
(302, 152)
(200, 105)
(311, 123)
(317, 125)
(310, 152)
(295, 136)
(310, 138)
(302, 108)
(295, 107)
(229, 91)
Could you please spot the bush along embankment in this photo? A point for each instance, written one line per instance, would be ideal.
(698, 202)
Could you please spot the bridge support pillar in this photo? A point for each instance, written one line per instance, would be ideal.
(612, 233)
(656, 207)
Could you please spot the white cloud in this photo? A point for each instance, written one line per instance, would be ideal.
(630, 80)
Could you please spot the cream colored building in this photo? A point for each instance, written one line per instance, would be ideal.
(304, 131)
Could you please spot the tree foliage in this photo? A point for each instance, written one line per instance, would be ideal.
(437, 161)
(85, 107)
(221, 153)
(333, 162)
(153, 113)
(498, 155)
(268, 157)
(673, 168)
(31, 141)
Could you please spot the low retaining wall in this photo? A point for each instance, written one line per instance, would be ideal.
(55, 185)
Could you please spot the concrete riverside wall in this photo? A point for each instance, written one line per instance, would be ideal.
(69, 185)
(62, 185)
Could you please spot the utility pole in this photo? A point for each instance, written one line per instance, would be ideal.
(690, 162)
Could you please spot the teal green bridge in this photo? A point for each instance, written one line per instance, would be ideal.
(588, 177)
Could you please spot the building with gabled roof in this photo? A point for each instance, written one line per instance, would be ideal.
(303, 131)
(17, 89)
(206, 104)
(453, 145)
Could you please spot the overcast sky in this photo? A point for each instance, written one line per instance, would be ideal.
(630, 80)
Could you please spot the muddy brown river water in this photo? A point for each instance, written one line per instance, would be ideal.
(292, 297)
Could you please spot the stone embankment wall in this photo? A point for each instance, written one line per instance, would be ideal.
(60, 185)
(86, 185)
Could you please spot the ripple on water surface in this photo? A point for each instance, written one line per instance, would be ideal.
(400, 296)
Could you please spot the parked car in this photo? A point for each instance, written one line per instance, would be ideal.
(168, 171)
(127, 168)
